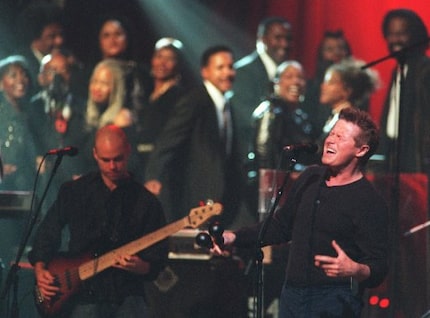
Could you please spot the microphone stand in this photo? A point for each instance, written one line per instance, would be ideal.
(258, 254)
(399, 55)
(12, 277)
(417, 228)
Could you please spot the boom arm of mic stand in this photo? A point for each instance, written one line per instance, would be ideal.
(258, 254)
(399, 55)
(12, 274)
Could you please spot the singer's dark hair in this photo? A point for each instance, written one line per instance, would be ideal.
(369, 131)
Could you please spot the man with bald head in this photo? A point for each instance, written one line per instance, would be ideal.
(102, 211)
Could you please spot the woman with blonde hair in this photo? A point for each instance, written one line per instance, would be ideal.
(106, 95)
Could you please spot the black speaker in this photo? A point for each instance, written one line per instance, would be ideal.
(213, 288)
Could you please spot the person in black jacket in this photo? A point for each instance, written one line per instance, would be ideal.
(200, 134)
(337, 224)
(404, 29)
(255, 74)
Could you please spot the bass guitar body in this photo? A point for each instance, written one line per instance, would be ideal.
(66, 277)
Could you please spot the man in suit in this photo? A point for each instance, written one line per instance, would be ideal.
(254, 83)
(255, 73)
(405, 143)
(408, 110)
(199, 137)
(42, 28)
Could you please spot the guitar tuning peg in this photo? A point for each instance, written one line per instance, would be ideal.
(209, 202)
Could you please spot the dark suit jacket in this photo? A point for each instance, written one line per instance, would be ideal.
(251, 86)
(415, 120)
(33, 67)
(191, 138)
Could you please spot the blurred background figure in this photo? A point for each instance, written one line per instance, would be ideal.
(57, 113)
(333, 48)
(280, 120)
(255, 73)
(115, 42)
(106, 97)
(403, 28)
(105, 103)
(167, 66)
(345, 85)
(253, 84)
(17, 148)
(42, 30)
(200, 132)
(56, 118)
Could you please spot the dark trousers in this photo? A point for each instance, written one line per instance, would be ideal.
(328, 301)
(131, 307)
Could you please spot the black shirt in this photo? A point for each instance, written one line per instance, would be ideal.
(314, 215)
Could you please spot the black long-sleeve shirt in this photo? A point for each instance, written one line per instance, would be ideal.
(99, 220)
(314, 215)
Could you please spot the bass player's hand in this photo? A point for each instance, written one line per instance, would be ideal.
(45, 281)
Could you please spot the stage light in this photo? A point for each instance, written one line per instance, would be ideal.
(373, 300)
(384, 303)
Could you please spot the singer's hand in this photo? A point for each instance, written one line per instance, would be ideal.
(342, 265)
(229, 238)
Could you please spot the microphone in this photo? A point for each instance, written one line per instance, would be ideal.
(69, 151)
(308, 148)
